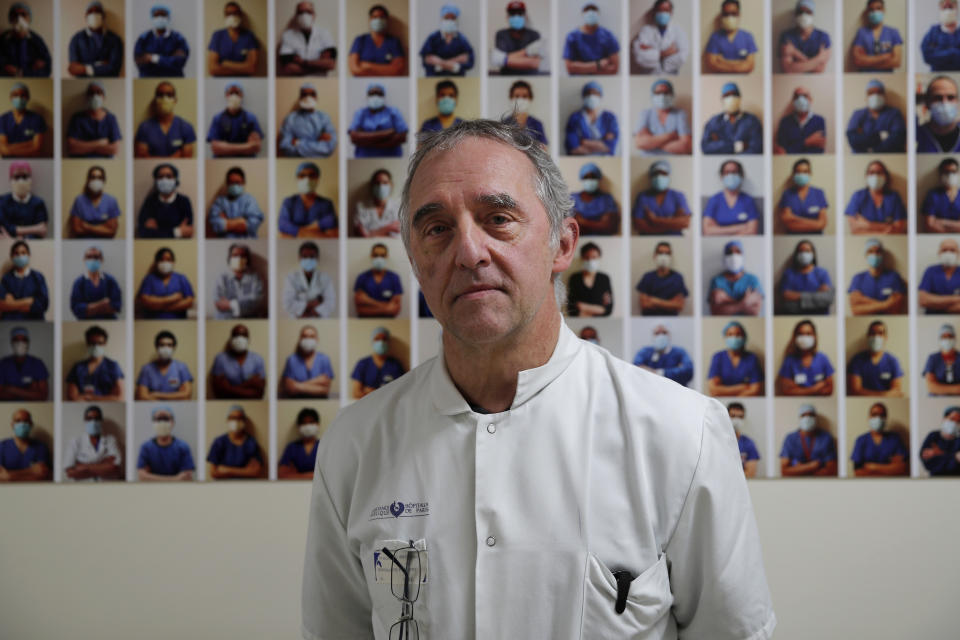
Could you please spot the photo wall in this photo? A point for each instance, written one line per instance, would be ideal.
(201, 252)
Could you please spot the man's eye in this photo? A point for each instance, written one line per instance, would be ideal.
(436, 229)
(499, 218)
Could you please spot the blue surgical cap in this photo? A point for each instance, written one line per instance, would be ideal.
(378, 331)
(307, 165)
(730, 87)
(163, 407)
(950, 410)
(944, 328)
(96, 4)
(236, 407)
(733, 243)
(661, 82)
(97, 84)
(871, 243)
(806, 4)
(233, 84)
(17, 332)
(21, 7)
(160, 7)
(308, 85)
(660, 166)
(876, 84)
(376, 85)
(734, 323)
(449, 8)
(806, 408)
(591, 86)
(19, 85)
(589, 168)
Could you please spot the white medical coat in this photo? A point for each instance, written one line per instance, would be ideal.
(82, 450)
(648, 59)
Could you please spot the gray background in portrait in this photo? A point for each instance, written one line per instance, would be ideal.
(754, 182)
(784, 18)
(184, 428)
(255, 92)
(428, 21)
(397, 95)
(215, 263)
(681, 334)
(570, 18)
(183, 18)
(609, 332)
(71, 257)
(571, 100)
(288, 260)
(682, 17)
(825, 249)
(925, 15)
(42, 187)
(538, 19)
(41, 342)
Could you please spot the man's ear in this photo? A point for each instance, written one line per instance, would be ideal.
(565, 251)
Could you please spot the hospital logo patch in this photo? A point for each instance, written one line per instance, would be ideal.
(399, 509)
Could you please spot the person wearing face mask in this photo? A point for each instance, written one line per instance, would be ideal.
(446, 52)
(164, 378)
(22, 458)
(591, 130)
(941, 205)
(378, 292)
(878, 127)
(95, 50)
(377, 53)
(235, 454)
(300, 456)
(165, 212)
(22, 50)
(380, 215)
(663, 128)
(590, 48)
(810, 450)
(94, 131)
(734, 371)
(373, 371)
(875, 372)
(22, 214)
(731, 212)
(164, 134)
(23, 291)
(307, 291)
(749, 455)
(21, 130)
(164, 458)
(446, 94)
(307, 373)
(238, 372)
(879, 452)
(96, 377)
(665, 359)
(660, 210)
(590, 334)
(940, 452)
(730, 49)
(805, 287)
(306, 46)
(306, 131)
(734, 291)
(23, 377)
(233, 50)
(941, 44)
(516, 49)
(164, 294)
(877, 208)
(662, 291)
(307, 214)
(378, 130)
(95, 456)
(803, 47)
(942, 369)
(801, 130)
(234, 131)
(95, 213)
(733, 130)
(595, 211)
(878, 290)
(589, 291)
(234, 212)
(95, 294)
(161, 52)
(521, 95)
(939, 290)
(661, 45)
(806, 371)
(876, 47)
(238, 292)
(803, 208)
(941, 134)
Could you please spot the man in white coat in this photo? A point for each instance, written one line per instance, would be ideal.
(524, 483)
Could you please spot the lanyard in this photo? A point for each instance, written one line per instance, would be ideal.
(807, 444)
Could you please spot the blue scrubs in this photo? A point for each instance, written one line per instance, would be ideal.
(295, 455)
(866, 450)
(927, 142)
(649, 119)
(589, 47)
(600, 204)
(364, 46)
(101, 381)
(891, 207)
(743, 210)
(167, 381)
(33, 285)
(863, 131)
(818, 371)
(580, 128)
(437, 45)
(737, 288)
(791, 133)
(748, 371)
(820, 444)
(945, 464)
(12, 459)
(168, 65)
(423, 307)
(935, 281)
(168, 215)
(673, 203)
(165, 461)
(86, 128)
(24, 52)
(367, 373)
(384, 290)
(810, 46)
(245, 206)
(380, 120)
(944, 372)
(160, 144)
(748, 450)
(102, 51)
(14, 213)
(664, 287)
(22, 374)
(879, 288)
(674, 361)
(306, 127)
(235, 128)
(534, 128)
(84, 292)
(433, 124)
(875, 377)
(99, 213)
(30, 125)
(808, 207)
(296, 367)
(225, 452)
(236, 373)
(941, 50)
(889, 38)
(228, 50)
(294, 214)
(720, 134)
(794, 280)
(937, 203)
(739, 48)
(153, 285)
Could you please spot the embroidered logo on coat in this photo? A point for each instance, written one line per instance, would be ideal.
(399, 509)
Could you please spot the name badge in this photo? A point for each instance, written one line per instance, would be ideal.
(813, 209)
(177, 143)
(243, 52)
(389, 56)
(387, 378)
(27, 379)
(885, 375)
(818, 377)
(387, 293)
(28, 132)
(655, 357)
(800, 378)
(383, 565)
(743, 53)
(886, 291)
(102, 216)
(742, 215)
(173, 382)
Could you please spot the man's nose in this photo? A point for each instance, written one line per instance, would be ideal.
(471, 245)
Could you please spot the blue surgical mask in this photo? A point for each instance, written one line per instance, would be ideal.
(517, 22)
(801, 104)
(19, 103)
(93, 427)
(877, 423)
(235, 190)
(591, 102)
(808, 423)
(381, 191)
(591, 17)
(375, 102)
(380, 347)
(20, 261)
(661, 341)
(875, 17)
(446, 105)
(22, 429)
(801, 179)
(379, 263)
(874, 260)
(308, 264)
(448, 26)
(734, 343)
(662, 18)
(660, 182)
(160, 23)
(92, 264)
(732, 181)
(661, 100)
(944, 113)
(378, 24)
(590, 185)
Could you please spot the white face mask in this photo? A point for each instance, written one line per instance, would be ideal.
(96, 101)
(376, 102)
(379, 263)
(875, 181)
(95, 20)
(730, 23)
(235, 425)
(876, 343)
(807, 423)
(96, 350)
(162, 428)
(663, 260)
(805, 21)
(20, 348)
(232, 21)
(309, 430)
(236, 263)
(591, 102)
(21, 187)
(733, 262)
(805, 257)
(592, 266)
(22, 25)
(165, 267)
(165, 353)
(731, 104)
(308, 345)
(875, 101)
(308, 103)
(661, 100)
(877, 423)
(948, 258)
(804, 342)
(381, 191)
(95, 185)
(234, 102)
(448, 26)
(522, 105)
(239, 343)
(166, 185)
(378, 24)
(306, 185)
(948, 16)
(951, 180)
(737, 423)
(305, 21)
(947, 344)
(948, 428)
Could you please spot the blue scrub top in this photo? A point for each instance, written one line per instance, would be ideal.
(791, 133)
(808, 207)
(245, 206)
(228, 50)
(945, 464)
(23, 53)
(294, 214)
(938, 204)
(85, 127)
(823, 448)
(296, 367)
(943, 372)
(748, 450)
(165, 461)
(296, 456)
(793, 369)
(664, 287)
(674, 361)
(168, 66)
(367, 373)
(12, 459)
(236, 128)
(743, 210)
(32, 286)
(106, 209)
(30, 125)
(810, 46)
(748, 371)
(22, 374)
(875, 377)
(384, 290)
(534, 128)
(866, 450)
(863, 131)
(101, 381)
(579, 128)
(437, 45)
(881, 287)
(224, 452)
(674, 202)
(737, 288)
(941, 50)
(889, 38)
(720, 134)
(307, 127)
(600, 204)
(364, 46)
(891, 208)
(84, 292)
(677, 121)
(380, 120)
(935, 281)
(927, 142)
(589, 47)
(739, 48)
(224, 364)
(434, 124)
(794, 280)
(15, 214)
(153, 285)
(160, 144)
(168, 215)
(167, 381)
(103, 51)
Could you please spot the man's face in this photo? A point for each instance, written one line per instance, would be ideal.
(378, 252)
(235, 178)
(92, 254)
(480, 240)
(589, 333)
(941, 91)
(308, 252)
(97, 340)
(877, 411)
(736, 412)
(240, 330)
(878, 331)
(949, 246)
(165, 172)
(308, 332)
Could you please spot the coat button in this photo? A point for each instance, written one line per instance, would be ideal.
(491, 428)
(491, 541)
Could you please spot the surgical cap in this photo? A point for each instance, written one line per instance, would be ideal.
(19, 85)
(449, 8)
(16, 166)
(876, 84)
(22, 7)
(806, 4)
(659, 83)
(96, 84)
(96, 4)
(378, 331)
(308, 85)
(734, 323)
(17, 332)
(660, 166)
(163, 407)
(871, 243)
(236, 407)
(376, 85)
(307, 165)
(591, 86)
(730, 87)
(160, 7)
(806, 408)
(731, 244)
(589, 168)
(950, 410)
(947, 328)
(233, 84)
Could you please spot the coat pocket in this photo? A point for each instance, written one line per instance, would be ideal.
(647, 613)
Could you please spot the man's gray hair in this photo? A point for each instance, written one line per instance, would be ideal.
(548, 183)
